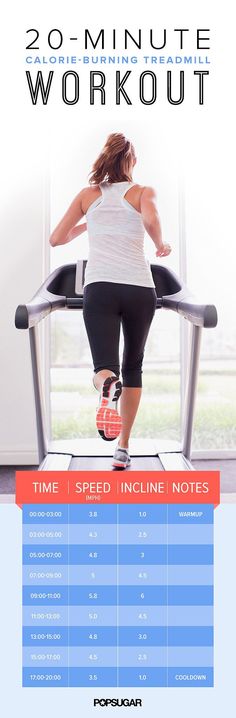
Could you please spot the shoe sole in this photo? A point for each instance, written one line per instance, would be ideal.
(121, 464)
(108, 421)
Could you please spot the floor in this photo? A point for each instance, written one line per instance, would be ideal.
(7, 477)
(227, 468)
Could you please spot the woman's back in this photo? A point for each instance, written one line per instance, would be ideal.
(116, 238)
(132, 195)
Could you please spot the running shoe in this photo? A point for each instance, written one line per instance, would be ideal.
(121, 458)
(108, 420)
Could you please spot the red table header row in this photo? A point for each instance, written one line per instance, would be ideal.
(95, 487)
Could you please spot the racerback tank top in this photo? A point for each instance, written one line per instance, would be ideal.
(116, 239)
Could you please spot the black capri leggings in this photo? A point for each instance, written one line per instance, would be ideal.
(107, 306)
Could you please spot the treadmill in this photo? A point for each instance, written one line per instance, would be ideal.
(63, 289)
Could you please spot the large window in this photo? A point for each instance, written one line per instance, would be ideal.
(210, 273)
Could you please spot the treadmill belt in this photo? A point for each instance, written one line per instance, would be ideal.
(104, 463)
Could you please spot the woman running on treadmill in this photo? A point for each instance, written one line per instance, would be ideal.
(119, 288)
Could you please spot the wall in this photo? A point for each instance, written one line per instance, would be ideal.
(21, 272)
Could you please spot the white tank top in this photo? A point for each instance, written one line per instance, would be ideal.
(116, 239)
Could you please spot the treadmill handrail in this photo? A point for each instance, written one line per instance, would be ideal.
(201, 315)
(45, 302)
(42, 304)
(28, 315)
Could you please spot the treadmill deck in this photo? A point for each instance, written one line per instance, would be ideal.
(96, 455)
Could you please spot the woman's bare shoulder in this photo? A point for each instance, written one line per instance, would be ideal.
(146, 190)
(90, 189)
(144, 187)
(88, 195)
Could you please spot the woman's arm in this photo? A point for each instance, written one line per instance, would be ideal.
(151, 221)
(66, 230)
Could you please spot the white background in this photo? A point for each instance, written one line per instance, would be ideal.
(191, 140)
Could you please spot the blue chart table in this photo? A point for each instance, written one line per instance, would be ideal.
(118, 595)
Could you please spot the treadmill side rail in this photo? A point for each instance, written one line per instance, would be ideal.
(191, 391)
(38, 394)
